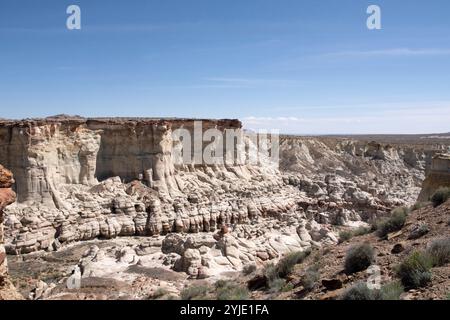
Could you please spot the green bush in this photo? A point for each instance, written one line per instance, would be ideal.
(286, 264)
(345, 235)
(361, 231)
(270, 272)
(401, 210)
(309, 280)
(414, 271)
(391, 291)
(439, 251)
(440, 196)
(275, 273)
(359, 291)
(419, 205)
(194, 293)
(358, 258)
(276, 285)
(226, 290)
(159, 293)
(394, 223)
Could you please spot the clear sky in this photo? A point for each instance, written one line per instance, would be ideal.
(307, 66)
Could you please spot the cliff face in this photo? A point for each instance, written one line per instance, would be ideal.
(337, 167)
(46, 153)
(7, 196)
(82, 179)
(438, 175)
(78, 179)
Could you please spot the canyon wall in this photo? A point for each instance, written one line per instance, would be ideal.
(81, 179)
(45, 153)
(391, 173)
(78, 179)
(438, 175)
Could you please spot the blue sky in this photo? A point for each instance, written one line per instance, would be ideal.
(298, 66)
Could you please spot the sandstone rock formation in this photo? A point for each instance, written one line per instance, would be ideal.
(7, 196)
(89, 180)
(437, 176)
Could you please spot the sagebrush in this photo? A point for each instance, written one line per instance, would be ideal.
(358, 258)
(414, 272)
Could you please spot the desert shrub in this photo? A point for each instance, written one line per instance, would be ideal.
(276, 285)
(275, 273)
(270, 272)
(309, 280)
(194, 293)
(419, 205)
(221, 283)
(273, 282)
(345, 235)
(394, 223)
(448, 296)
(285, 266)
(249, 269)
(414, 271)
(391, 291)
(361, 231)
(226, 290)
(401, 210)
(358, 258)
(280, 285)
(287, 287)
(160, 292)
(439, 251)
(440, 196)
(359, 291)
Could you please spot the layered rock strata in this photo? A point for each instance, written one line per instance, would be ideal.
(82, 179)
(438, 176)
(79, 179)
(381, 174)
